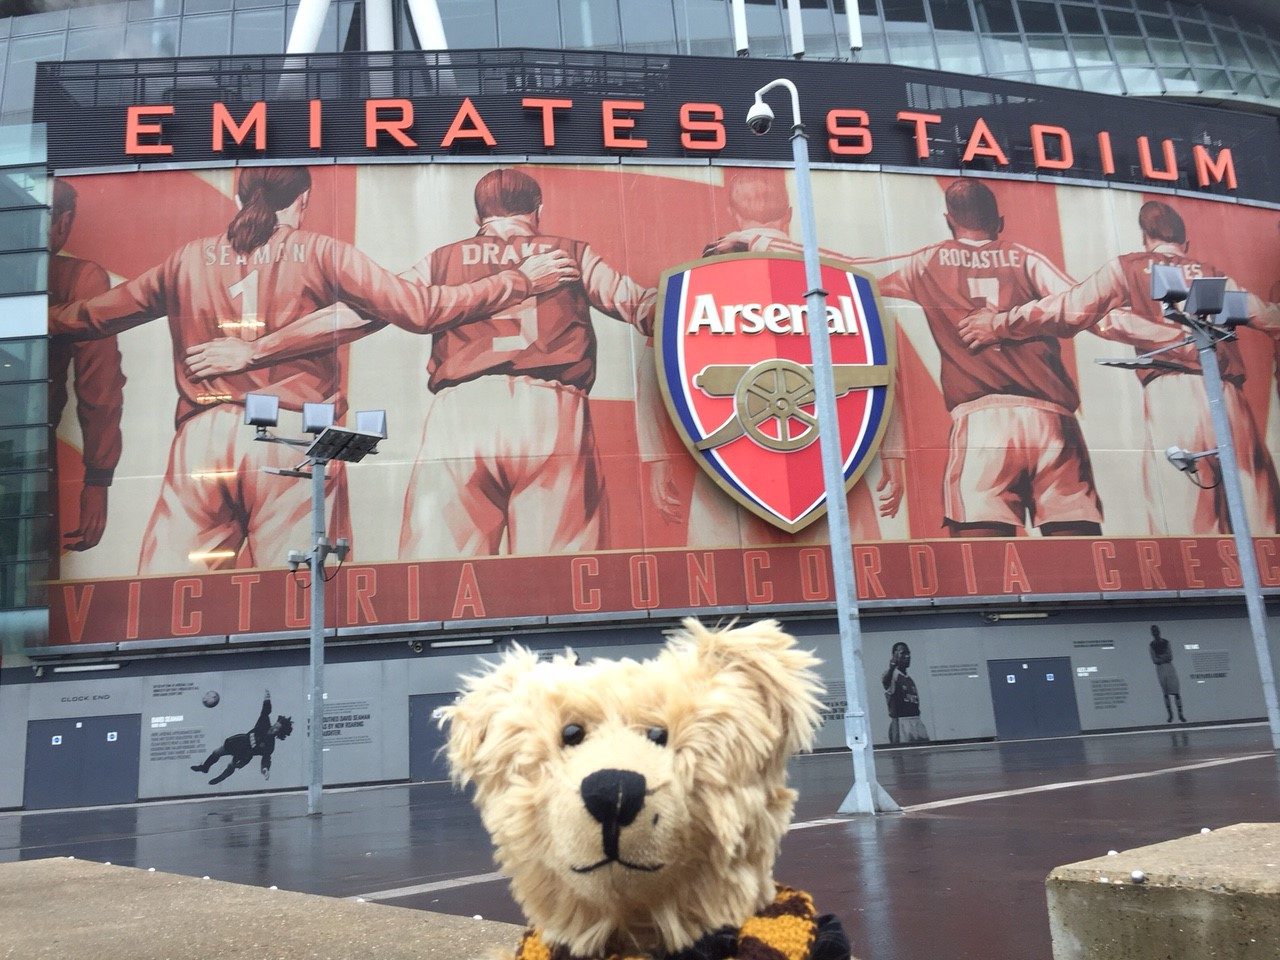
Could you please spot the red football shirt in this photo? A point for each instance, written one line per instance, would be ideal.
(550, 336)
(208, 291)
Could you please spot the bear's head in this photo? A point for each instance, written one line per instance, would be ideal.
(639, 806)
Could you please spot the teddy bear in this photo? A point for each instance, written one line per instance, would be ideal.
(638, 807)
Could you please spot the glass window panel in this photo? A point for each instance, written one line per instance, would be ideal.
(764, 29)
(873, 49)
(1091, 50)
(23, 403)
(24, 360)
(23, 272)
(820, 38)
(1248, 84)
(1121, 24)
(25, 539)
(22, 230)
(1233, 49)
(97, 14)
(246, 4)
(468, 23)
(1102, 81)
(1271, 85)
(1261, 54)
(154, 9)
(1048, 51)
(910, 45)
(23, 585)
(1141, 82)
(904, 11)
(24, 187)
(205, 6)
(1152, 6)
(24, 448)
(1160, 27)
(1005, 53)
(648, 26)
(996, 16)
(951, 15)
(1219, 19)
(703, 27)
(959, 53)
(101, 43)
(591, 24)
(1179, 81)
(1194, 31)
(258, 31)
(1168, 52)
(1027, 77)
(1203, 54)
(1130, 50)
(154, 38)
(1082, 20)
(207, 35)
(20, 73)
(1212, 79)
(1058, 78)
(52, 22)
(528, 23)
(1039, 17)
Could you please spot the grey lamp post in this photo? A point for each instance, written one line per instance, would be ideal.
(866, 794)
(1210, 314)
(328, 443)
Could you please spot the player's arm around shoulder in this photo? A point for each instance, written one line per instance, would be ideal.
(617, 295)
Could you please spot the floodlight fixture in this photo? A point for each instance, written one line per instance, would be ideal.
(372, 421)
(317, 417)
(1206, 296)
(1235, 309)
(1168, 285)
(340, 443)
(261, 410)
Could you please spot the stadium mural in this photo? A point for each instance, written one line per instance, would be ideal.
(505, 318)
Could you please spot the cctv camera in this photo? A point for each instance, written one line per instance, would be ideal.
(415, 646)
(759, 117)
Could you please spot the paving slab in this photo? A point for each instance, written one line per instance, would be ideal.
(57, 909)
(1210, 896)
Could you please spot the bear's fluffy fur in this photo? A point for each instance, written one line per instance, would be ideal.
(735, 703)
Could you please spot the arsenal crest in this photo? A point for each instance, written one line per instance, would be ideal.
(737, 375)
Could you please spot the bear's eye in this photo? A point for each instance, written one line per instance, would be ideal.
(657, 735)
(572, 735)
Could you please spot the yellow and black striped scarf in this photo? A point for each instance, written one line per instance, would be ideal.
(784, 930)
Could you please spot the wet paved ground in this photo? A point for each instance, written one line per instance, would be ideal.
(944, 882)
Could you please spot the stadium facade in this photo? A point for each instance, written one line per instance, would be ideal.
(351, 203)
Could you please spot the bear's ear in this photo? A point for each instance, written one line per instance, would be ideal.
(470, 716)
(766, 657)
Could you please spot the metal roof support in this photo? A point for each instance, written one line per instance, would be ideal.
(740, 39)
(428, 24)
(378, 32)
(796, 27)
(855, 24)
(307, 26)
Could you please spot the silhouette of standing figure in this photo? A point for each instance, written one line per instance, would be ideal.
(243, 747)
(903, 699)
(1162, 657)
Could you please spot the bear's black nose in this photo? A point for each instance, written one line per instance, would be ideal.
(613, 797)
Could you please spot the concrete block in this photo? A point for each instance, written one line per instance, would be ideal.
(1210, 896)
(55, 909)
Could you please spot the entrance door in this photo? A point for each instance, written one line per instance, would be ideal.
(82, 762)
(1033, 698)
(426, 761)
